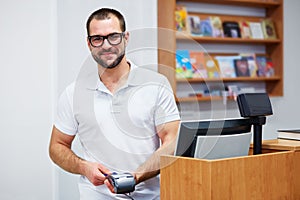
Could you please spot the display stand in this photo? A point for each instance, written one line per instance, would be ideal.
(270, 175)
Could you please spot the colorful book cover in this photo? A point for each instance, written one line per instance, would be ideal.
(231, 29)
(181, 18)
(194, 25)
(241, 67)
(245, 29)
(256, 30)
(268, 28)
(270, 68)
(183, 65)
(217, 29)
(211, 67)
(226, 65)
(206, 28)
(197, 60)
(251, 63)
(261, 62)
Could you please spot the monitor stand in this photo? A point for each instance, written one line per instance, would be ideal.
(257, 122)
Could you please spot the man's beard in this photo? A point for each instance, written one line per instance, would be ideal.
(113, 64)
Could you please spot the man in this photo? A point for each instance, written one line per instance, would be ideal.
(125, 119)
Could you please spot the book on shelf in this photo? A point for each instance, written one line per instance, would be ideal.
(256, 30)
(268, 29)
(241, 67)
(211, 67)
(261, 62)
(194, 25)
(206, 28)
(231, 29)
(251, 58)
(292, 134)
(197, 59)
(245, 29)
(183, 65)
(217, 29)
(181, 18)
(269, 68)
(265, 66)
(226, 66)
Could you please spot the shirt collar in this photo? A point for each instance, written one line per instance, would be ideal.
(98, 85)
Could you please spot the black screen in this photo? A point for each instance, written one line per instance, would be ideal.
(187, 138)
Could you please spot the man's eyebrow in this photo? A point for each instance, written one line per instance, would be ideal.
(104, 35)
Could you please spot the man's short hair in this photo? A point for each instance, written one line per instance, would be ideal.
(105, 13)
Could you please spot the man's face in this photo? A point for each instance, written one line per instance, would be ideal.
(107, 55)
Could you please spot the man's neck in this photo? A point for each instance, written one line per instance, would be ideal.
(116, 77)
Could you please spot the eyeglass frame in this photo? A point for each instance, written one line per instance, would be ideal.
(106, 37)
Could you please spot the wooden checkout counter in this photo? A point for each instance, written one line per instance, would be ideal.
(274, 174)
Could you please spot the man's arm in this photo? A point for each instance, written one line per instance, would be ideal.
(167, 133)
(61, 154)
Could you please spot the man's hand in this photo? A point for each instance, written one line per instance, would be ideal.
(120, 183)
(95, 172)
(61, 153)
(109, 186)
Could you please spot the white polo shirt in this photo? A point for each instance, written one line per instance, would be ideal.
(118, 130)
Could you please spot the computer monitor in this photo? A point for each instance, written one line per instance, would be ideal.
(212, 139)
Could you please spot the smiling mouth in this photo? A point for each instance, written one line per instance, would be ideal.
(108, 53)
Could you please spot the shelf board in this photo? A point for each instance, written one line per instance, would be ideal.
(194, 98)
(183, 36)
(203, 98)
(238, 79)
(253, 3)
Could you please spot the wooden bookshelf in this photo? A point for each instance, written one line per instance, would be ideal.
(168, 38)
(250, 3)
(180, 36)
(237, 79)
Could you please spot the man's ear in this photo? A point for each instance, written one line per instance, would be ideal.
(126, 37)
(88, 44)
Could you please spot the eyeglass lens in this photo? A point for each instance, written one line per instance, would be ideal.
(113, 39)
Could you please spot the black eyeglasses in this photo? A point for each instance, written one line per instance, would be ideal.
(113, 39)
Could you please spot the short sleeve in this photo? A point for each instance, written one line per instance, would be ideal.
(166, 110)
(64, 119)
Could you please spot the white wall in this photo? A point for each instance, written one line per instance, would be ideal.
(26, 82)
(35, 69)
